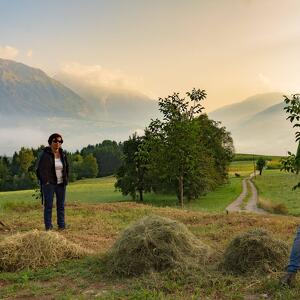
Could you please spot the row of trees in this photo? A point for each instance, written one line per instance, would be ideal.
(18, 172)
(185, 153)
(108, 155)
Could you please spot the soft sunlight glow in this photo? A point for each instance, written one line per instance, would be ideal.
(8, 52)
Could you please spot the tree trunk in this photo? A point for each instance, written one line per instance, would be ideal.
(180, 182)
(141, 195)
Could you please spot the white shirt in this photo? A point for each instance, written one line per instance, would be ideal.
(58, 170)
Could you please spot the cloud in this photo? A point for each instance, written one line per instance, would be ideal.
(12, 139)
(139, 132)
(29, 53)
(280, 83)
(97, 76)
(8, 52)
(265, 81)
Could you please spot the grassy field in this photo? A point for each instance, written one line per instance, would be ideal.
(219, 199)
(276, 186)
(101, 190)
(243, 168)
(88, 190)
(97, 226)
(97, 214)
(250, 157)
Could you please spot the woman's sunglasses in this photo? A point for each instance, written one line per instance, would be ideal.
(57, 141)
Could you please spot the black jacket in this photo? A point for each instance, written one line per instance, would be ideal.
(46, 167)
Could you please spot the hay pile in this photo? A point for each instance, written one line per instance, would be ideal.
(36, 249)
(255, 251)
(154, 244)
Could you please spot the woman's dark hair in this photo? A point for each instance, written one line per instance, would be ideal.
(53, 136)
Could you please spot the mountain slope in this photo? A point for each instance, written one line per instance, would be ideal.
(266, 131)
(230, 115)
(26, 91)
(33, 105)
(113, 104)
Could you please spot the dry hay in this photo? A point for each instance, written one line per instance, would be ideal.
(154, 243)
(255, 251)
(35, 249)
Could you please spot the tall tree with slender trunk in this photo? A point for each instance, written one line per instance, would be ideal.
(173, 142)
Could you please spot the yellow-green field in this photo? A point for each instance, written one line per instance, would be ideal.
(243, 168)
(96, 227)
(97, 214)
(276, 186)
(101, 190)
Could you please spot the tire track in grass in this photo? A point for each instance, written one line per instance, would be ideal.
(251, 205)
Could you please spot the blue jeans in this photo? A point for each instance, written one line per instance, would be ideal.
(294, 263)
(48, 191)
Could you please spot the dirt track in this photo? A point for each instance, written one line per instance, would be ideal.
(251, 205)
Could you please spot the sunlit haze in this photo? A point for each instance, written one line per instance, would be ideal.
(232, 49)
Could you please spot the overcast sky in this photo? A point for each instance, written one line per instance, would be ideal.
(231, 48)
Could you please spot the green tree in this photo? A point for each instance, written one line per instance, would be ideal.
(89, 167)
(75, 162)
(23, 160)
(131, 176)
(177, 155)
(216, 153)
(108, 155)
(4, 173)
(260, 164)
(291, 163)
(22, 169)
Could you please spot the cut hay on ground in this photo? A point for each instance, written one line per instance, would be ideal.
(154, 244)
(255, 251)
(36, 249)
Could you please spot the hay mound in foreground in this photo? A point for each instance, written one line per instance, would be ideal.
(35, 249)
(154, 244)
(254, 251)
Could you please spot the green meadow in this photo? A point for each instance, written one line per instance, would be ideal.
(273, 185)
(276, 186)
(102, 190)
(97, 214)
(243, 168)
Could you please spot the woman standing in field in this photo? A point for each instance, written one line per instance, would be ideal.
(52, 172)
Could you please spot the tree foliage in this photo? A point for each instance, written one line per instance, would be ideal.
(131, 176)
(292, 162)
(260, 164)
(18, 172)
(185, 152)
(108, 155)
(89, 167)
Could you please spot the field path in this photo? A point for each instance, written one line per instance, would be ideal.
(251, 205)
(236, 204)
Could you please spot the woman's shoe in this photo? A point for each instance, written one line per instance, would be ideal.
(63, 228)
(289, 279)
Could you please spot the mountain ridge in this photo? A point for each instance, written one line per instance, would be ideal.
(34, 105)
(112, 103)
(234, 113)
(263, 131)
(25, 91)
